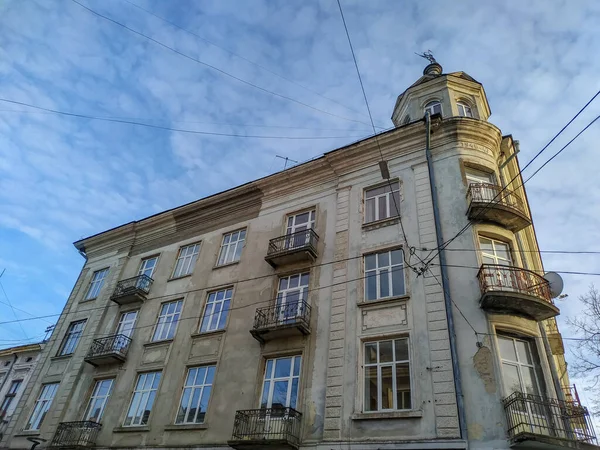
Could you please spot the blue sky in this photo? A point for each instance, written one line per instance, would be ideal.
(64, 178)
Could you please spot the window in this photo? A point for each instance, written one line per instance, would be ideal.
(186, 260)
(142, 399)
(231, 247)
(195, 396)
(434, 107)
(494, 252)
(127, 323)
(147, 266)
(300, 222)
(98, 400)
(387, 375)
(475, 176)
(464, 110)
(384, 274)
(9, 397)
(520, 366)
(166, 324)
(72, 338)
(96, 284)
(281, 383)
(292, 293)
(41, 407)
(382, 202)
(216, 310)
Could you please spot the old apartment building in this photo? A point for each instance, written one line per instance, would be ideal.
(285, 313)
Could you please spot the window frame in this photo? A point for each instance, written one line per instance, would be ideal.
(534, 352)
(191, 263)
(147, 398)
(294, 227)
(282, 303)
(231, 244)
(393, 364)
(509, 249)
(289, 379)
(9, 397)
(93, 293)
(120, 322)
(430, 106)
(46, 404)
(142, 268)
(389, 200)
(377, 270)
(71, 338)
(162, 325)
(193, 388)
(214, 303)
(465, 106)
(93, 397)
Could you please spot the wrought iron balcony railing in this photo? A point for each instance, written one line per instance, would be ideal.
(487, 192)
(76, 434)
(529, 416)
(281, 321)
(278, 425)
(117, 344)
(133, 288)
(293, 247)
(492, 202)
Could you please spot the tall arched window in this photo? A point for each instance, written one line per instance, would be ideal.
(464, 110)
(433, 107)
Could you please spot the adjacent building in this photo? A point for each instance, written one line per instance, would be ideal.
(313, 308)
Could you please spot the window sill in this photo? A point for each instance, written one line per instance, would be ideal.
(207, 333)
(130, 429)
(412, 414)
(181, 277)
(226, 265)
(28, 433)
(186, 426)
(61, 357)
(379, 301)
(158, 343)
(380, 223)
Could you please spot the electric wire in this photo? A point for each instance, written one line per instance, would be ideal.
(12, 308)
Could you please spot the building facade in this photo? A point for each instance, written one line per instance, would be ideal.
(310, 308)
(16, 367)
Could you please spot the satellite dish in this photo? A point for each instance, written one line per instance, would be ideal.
(556, 283)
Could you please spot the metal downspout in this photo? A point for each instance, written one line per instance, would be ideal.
(445, 283)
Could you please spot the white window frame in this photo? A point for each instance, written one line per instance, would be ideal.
(9, 397)
(431, 107)
(147, 396)
(270, 377)
(144, 266)
(41, 406)
(467, 111)
(202, 386)
(72, 337)
(96, 283)
(292, 227)
(186, 260)
(217, 306)
(476, 176)
(166, 322)
(519, 365)
(391, 202)
(377, 271)
(231, 250)
(498, 260)
(126, 325)
(284, 312)
(379, 365)
(101, 399)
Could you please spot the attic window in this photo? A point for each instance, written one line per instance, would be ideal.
(464, 110)
(433, 107)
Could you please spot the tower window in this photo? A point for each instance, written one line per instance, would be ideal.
(434, 107)
(464, 110)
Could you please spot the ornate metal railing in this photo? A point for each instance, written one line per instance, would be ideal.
(139, 284)
(118, 343)
(286, 314)
(495, 277)
(76, 434)
(305, 239)
(280, 424)
(528, 414)
(487, 192)
(571, 395)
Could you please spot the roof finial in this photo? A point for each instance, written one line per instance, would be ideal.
(433, 68)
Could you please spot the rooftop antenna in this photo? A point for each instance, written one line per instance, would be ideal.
(48, 330)
(428, 56)
(286, 160)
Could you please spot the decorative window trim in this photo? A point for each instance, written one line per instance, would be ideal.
(431, 105)
(465, 106)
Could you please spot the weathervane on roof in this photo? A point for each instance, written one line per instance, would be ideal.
(428, 56)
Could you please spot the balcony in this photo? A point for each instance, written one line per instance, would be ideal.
(267, 428)
(512, 290)
(108, 350)
(292, 248)
(132, 290)
(489, 202)
(549, 423)
(281, 321)
(71, 435)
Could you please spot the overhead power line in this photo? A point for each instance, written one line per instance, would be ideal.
(237, 55)
(180, 130)
(12, 307)
(210, 66)
(558, 252)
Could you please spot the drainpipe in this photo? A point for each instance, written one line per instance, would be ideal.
(445, 283)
